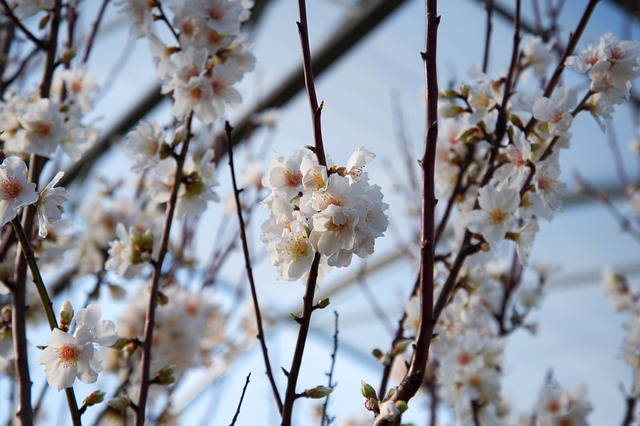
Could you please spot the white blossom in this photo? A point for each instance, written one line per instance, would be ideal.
(43, 128)
(49, 204)
(15, 190)
(496, 215)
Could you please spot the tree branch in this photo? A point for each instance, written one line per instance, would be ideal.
(145, 381)
(247, 264)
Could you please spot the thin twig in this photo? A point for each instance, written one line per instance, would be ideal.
(629, 415)
(501, 122)
(244, 389)
(94, 30)
(46, 303)
(621, 171)
(9, 13)
(488, 4)
(602, 197)
(52, 44)
(305, 321)
(247, 264)
(417, 368)
(307, 307)
(326, 421)
(155, 278)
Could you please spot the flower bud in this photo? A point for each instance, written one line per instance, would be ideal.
(120, 403)
(367, 390)
(317, 392)
(94, 398)
(66, 315)
(401, 346)
(402, 406)
(165, 376)
(323, 303)
(163, 299)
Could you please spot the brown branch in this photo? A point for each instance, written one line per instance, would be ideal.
(145, 381)
(487, 41)
(307, 308)
(247, 264)
(244, 389)
(417, 368)
(94, 31)
(630, 411)
(305, 321)
(13, 18)
(52, 45)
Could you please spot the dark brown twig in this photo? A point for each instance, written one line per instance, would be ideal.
(145, 381)
(296, 363)
(602, 197)
(488, 4)
(244, 389)
(94, 30)
(247, 264)
(51, 48)
(307, 308)
(417, 368)
(13, 18)
(326, 420)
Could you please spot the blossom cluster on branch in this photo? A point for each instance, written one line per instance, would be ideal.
(313, 209)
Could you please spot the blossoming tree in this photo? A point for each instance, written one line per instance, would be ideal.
(490, 172)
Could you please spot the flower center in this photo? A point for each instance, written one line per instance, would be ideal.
(68, 355)
(10, 189)
(42, 128)
(553, 406)
(463, 358)
(299, 248)
(497, 216)
(292, 179)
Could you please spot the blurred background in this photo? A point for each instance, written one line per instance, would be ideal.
(370, 76)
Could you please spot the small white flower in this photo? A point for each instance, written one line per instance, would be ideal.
(65, 358)
(129, 253)
(49, 201)
(15, 190)
(496, 216)
(389, 411)
(556, 110)
(43, 128)
(144, 142)
(90, 328)
(524, 238)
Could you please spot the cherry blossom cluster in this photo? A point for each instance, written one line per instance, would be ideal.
(558, 406)
(333, 211)
(503, 198)
(34, 125)
(469, 341)
(68, 356)
(611, 66)
(498, 164)
(189, 325)
(137, 234)
(207, 57)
